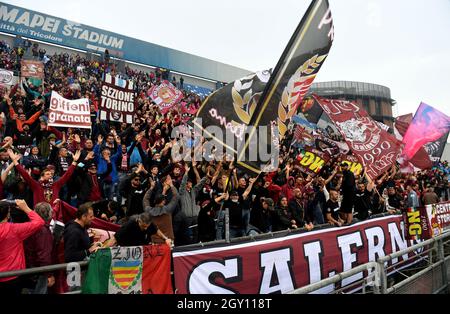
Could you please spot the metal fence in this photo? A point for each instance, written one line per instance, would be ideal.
(429, 275)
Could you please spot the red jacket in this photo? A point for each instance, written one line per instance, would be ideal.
(38, 190)
(12, 256)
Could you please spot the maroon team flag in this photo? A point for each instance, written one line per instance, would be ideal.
(375, 148)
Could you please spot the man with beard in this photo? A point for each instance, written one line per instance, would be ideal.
(363, 198)
(77, 244)
(44, 190)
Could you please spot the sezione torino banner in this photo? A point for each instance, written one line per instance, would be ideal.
(280, 265)
(69, 113)
(117, 100)
(376, 149)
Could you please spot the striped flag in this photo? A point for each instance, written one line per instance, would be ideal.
(129, 270)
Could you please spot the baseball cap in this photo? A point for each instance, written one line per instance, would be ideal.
(234, 193)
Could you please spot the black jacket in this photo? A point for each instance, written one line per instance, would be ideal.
(84, 183)
(76, 242)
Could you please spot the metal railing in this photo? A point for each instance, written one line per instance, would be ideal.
(432, 277)
(40, 270)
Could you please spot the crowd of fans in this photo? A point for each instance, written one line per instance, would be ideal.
(125, 174)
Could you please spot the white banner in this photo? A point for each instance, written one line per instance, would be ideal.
(69, 113)
(7, 78)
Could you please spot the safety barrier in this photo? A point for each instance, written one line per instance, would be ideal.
(431, 276)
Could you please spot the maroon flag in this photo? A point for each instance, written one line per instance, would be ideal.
(376, 149)
(165, 95)
(298, 133)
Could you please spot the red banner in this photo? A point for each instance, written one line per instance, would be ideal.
(30, 68)
(64, 212)
(286, 263)
(376, 149)
(165, 95)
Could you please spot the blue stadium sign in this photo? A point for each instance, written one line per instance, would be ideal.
(34, 25)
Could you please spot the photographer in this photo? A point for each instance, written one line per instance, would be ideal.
(12, 256)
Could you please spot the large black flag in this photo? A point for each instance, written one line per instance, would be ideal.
(436, 148)
(230, 116)
(288, 85)
(223, 116)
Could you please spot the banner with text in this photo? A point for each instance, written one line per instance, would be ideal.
(312, 160)
(280, 265)
(427, 222)
(438, 217)
(117, 101)
(376, 149)
(69, 113)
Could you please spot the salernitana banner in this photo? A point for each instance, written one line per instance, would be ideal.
(69, 113)
(117, 100)
(282, 264)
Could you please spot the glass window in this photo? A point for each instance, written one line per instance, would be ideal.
(378, 110)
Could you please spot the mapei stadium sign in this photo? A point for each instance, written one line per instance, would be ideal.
(38, 26)
(32, 24)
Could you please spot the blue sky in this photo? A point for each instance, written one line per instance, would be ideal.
(401, 44)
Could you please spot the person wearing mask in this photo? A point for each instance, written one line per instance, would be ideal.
(12, 235)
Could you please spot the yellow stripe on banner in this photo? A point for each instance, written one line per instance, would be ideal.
(125, 268)
(280, 76)
(130, 276)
